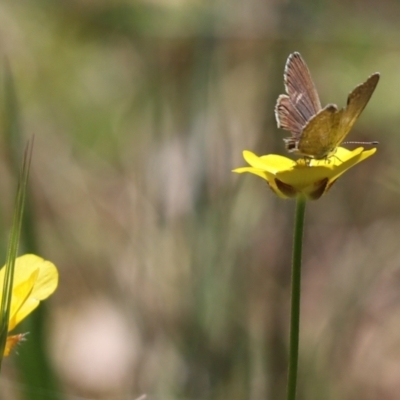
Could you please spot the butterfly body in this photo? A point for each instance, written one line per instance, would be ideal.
(316, 132)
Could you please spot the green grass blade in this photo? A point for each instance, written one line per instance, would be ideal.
(12, 250)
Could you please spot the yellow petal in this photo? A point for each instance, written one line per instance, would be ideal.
(304, 176)
(20, 295)
(350, 160)
(271, 162)
(266, 168)
(34, 280)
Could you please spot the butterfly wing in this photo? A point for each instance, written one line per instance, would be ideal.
(288, 117)
(356, 103)
(316, 139)
(327, 129)
(294, 110)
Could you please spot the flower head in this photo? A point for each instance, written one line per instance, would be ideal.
(311, 178)
(35, 279)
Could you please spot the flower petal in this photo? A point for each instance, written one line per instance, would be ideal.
(34, 280)
(271, 162)
(252, 170)
(350, 160)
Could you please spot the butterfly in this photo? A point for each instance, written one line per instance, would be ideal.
(316, 131)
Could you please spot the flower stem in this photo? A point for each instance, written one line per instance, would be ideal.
(295, 301)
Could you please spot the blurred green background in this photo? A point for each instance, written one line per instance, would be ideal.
(175, 272)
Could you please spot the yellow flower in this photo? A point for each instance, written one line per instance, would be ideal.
(288, 178)
(35, 279)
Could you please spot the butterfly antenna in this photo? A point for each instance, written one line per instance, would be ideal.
(373, 143)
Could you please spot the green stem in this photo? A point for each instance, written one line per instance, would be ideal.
(295, 302)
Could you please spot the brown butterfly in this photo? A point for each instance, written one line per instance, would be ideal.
(316, 132)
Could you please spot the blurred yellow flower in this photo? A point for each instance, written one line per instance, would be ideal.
(35, 279)
(311, 178)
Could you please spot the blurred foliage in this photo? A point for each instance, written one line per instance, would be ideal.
(174, 272)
